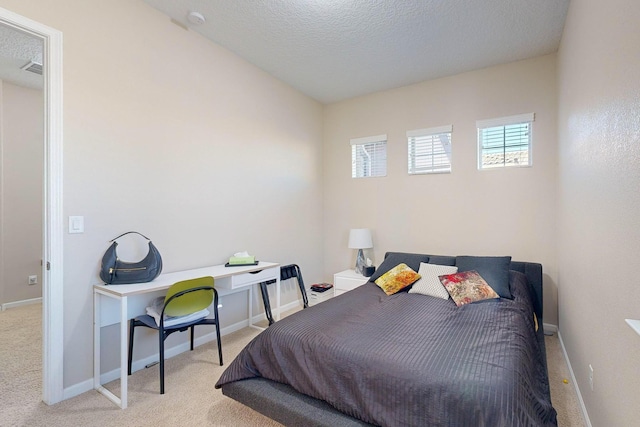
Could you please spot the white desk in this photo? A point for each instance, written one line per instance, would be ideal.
(228, 280)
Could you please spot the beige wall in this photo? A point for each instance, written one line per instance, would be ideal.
(171, 135)
(21, 181)
(494, 212)
(599, 204)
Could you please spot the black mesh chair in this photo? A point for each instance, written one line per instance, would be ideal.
(183, 298)
(286, 272)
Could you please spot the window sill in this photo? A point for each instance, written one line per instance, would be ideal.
(635, 325)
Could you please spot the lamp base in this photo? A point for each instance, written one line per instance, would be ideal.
(360, 262)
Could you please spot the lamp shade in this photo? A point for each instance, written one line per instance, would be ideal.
(360, 238)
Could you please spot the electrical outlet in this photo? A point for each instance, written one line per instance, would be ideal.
(591, 377)
(33, 280)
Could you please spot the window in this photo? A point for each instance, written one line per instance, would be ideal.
(505, 141)
(429, 150)
(369, 156)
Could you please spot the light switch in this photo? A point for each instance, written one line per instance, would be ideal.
(76, 224)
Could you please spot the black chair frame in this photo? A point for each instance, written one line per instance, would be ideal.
(286, 272)
(163, 332)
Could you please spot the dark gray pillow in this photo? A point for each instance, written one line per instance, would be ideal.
(493, 269)
(442, 260)
(392, 259)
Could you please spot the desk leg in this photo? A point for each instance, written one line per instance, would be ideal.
(124, 353)
(97, 319)
(278, 298)
(250, 305)
(97, 316)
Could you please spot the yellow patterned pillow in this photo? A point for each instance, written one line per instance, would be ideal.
(399, 277)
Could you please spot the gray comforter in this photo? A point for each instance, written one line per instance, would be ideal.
(411, 359)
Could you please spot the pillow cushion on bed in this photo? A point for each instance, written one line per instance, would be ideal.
(467, 287)
(429, 282)
(392, 259)
(396, 279)
(493, 269)
(442, 260)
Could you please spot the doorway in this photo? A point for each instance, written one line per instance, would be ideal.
(52, 221)
(22, 167)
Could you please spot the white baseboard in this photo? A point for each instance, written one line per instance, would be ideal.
(114, 374)
(583, 408)
(77, 389)
(8, 305)
(548, 327)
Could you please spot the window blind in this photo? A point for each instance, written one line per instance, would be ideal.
(505, 142)
(429, 150)
(369, 156)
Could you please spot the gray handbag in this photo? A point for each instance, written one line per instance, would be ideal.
(116, 272)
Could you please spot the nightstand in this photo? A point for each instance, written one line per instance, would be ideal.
(318, 297)
(347, 280)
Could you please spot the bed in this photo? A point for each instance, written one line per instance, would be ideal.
(368, 358)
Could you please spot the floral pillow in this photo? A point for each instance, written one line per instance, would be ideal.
(396, 279)
(467, 287)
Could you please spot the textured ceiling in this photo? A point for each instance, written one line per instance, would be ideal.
(16, 50)
(333, 50)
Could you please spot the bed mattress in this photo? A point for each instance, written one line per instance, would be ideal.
(410, 359)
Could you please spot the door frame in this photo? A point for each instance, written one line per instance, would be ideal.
(53, 224)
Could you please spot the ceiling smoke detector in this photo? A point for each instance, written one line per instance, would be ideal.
(33, 67)
(196, 18)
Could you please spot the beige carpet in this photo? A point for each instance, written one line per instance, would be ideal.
(190, 398)
(563, 395)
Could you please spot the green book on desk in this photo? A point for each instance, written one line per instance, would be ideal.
(235, 260)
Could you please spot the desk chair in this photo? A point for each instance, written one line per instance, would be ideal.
(183, 298)
(286, 272)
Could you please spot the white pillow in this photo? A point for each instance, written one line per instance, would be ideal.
(429, 283)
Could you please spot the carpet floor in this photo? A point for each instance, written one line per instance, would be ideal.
(190, 398)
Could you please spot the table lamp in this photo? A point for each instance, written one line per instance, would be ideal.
(360, 238)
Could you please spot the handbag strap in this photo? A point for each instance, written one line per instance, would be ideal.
(129, 232)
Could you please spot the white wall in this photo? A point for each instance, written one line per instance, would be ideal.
(171, 135)
(21, 183)
(599, 204)
(494, 212)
